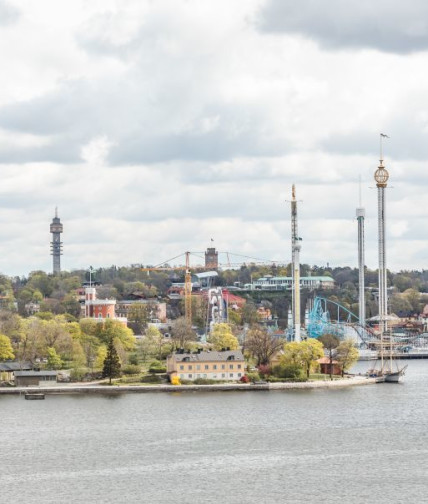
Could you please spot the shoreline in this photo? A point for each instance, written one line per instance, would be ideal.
(224, 387)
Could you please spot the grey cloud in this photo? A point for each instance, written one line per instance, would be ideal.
(8, 13)
(385, 25)
(137, 126)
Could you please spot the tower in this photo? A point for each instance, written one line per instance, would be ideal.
(211, 258)
(361, 299)
(56, 243)
(381, 177)
(295, 255)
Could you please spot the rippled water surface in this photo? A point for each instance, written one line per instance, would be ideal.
(356, 445)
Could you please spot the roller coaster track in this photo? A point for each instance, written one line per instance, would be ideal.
(346, 323)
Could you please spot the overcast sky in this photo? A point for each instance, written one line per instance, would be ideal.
(156, 126)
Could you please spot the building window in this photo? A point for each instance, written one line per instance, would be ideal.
(181, 368)
(206, 366)
(198, 367)
(215, 366)
(223, 375)
(230, 366)
(204, 376)
(231, 375)
(223, 366)
(190, 376)
(239, 375)
(239, 366)
(182, 376)
(190, 367)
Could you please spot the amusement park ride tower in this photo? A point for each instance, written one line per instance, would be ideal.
(56, 243)
(295, 255)
(381, 177)
(361, 299)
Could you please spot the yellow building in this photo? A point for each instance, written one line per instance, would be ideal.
(212, 365)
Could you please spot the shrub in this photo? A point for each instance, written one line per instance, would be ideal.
(288, 371)
(131, 369)
(175, 380)
(133, 359)
(204, 381)
(253, 376)
(77, 374)
(264, 370)
(152, 378)
(244, 379)
(157, 367)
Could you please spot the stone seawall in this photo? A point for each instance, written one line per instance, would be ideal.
(223, 387)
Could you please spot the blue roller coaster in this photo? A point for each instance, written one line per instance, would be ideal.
(321, 321)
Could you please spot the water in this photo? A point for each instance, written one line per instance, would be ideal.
(353, 445)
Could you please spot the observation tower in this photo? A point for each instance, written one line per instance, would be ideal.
(56, 243)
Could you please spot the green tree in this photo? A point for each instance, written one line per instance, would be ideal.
(154, 342)
(54, 360)
(111, 367)
(413, 297)
(221, 336)
(100, 358)
(346, 354)
(303, 354)
(249, 313)
(6, 350)
(312, 350)
(138, 317)
(330, 343)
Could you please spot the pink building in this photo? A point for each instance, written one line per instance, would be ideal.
(100, 309)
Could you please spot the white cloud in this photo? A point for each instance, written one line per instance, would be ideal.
(155, 126)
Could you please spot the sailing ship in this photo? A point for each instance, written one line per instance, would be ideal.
(388, 370)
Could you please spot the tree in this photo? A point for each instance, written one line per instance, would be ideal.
(346, 354)
(311, 350)
(154, 342)
(54, 360)
(100, 358)
(262, 345)
(182, 333)
(221, 336)
(330, 342)
(249, 313)
(111, 367)
(138, 316)
(303, 354)
(413, 297)
(6, 350)
(112, 329)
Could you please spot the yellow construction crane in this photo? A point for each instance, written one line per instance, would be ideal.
(188, 274)
(187, 281)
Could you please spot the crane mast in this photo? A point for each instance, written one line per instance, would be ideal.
(188, 292)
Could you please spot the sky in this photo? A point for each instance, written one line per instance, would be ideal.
(161, 126)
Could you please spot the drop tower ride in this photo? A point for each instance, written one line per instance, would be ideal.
(295, 255)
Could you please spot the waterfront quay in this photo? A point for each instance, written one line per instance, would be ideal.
(223, 387)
